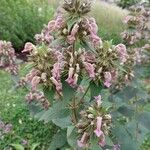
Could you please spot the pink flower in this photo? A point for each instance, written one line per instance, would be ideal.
(60, 22)
(81, 89)
(29, 97)
(89, 57)
(102, 140)
(116, 147)
(114, 74)
(7, 128)
(58, 55)
(122, 52)
(95, 40)
(75, 29)
(33, 72)
(28, 47)
(51, 26)
(71, 39)
(58, 84)
(93, 26)
(98, 130)
(83, 142)
(98, 100)
(70, 73)
(72, 78)
(108, 79)
(48, 37)
(35, 81)
(90, 69)
(127, 18)
(56, 71)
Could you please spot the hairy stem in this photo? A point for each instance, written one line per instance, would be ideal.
(74, 111)
(84, 94)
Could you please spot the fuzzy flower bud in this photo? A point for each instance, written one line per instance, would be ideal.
(122, 52)
(90, 69)
(83, 142)
(28, 47)
(108, 79)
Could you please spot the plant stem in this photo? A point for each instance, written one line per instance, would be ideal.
(84, 94)
(74, 107)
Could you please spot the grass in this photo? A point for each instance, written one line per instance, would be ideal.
(13, 109)
(22, 19)
(109, 19)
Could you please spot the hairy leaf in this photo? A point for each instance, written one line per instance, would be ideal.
(72, 136)
(17, 146)
(58, 141)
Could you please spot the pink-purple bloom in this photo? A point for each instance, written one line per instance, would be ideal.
(116, 147)
(28, 47)
(98, 100)
(99, 133)
(35, 81)
(83, 142)
(90, 69)
(57, 84)
(98, 130)
(108, 79)
(122, 52)
(56, 71)
(96, 40)
(51, 26)
(71, 38)
(72, 77)
(102, 141)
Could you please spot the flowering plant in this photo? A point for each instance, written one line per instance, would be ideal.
(8, 58)
(137, 34)
(72, 72)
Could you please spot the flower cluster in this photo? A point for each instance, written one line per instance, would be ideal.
(95, 121)
(137, 33)
(137, 23)
(58, 56)
(4, 129)
(69, 54)
(8, 58)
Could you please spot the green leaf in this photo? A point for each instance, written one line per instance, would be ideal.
(58, 141)
(95, 89)
(35, 110)
(62, 122)
(68, 91)
(72, 136)
(144, 119)
(124, 138)
(94, 144)
(126, 111)
(34, 146)
(49, 93)
(17, 146)
(58, 110)
(71, 22)
(109, 141)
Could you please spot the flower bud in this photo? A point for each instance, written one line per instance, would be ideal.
(90, 116)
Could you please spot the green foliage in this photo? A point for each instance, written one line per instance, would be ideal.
(127, 3)
(58, 141)
(22, 19)
(17, 146)
(13, 110)
(21, 147)
(109, 19)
